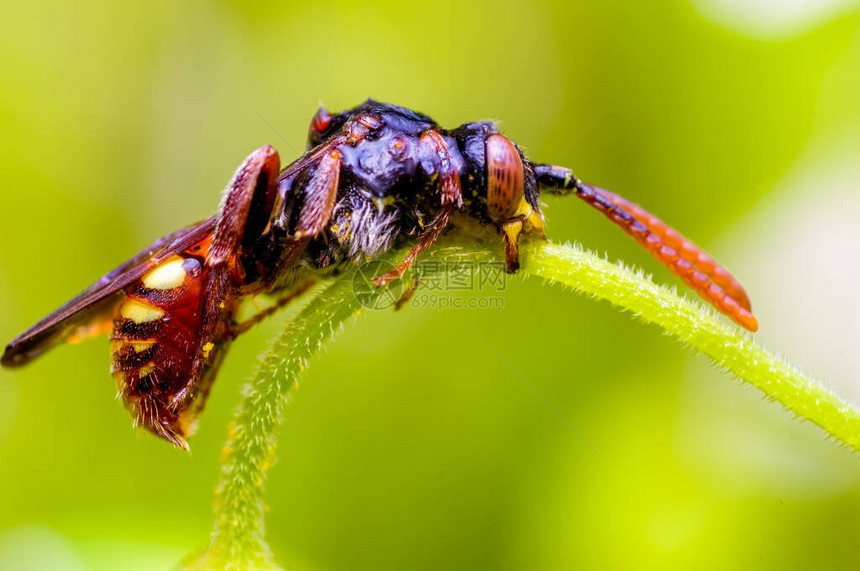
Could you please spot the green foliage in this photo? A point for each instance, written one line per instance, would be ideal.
(238, 539)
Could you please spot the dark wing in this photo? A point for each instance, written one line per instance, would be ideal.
(95, 304)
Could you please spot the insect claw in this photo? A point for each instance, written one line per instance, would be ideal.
(407, 295)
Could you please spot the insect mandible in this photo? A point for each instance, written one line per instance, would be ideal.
(373, 177)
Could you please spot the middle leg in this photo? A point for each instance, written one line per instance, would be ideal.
(450, 197)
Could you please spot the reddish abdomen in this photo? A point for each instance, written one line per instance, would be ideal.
(156, 336)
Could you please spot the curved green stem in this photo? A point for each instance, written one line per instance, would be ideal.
(698, 326)
(238, 537)
(238, 540)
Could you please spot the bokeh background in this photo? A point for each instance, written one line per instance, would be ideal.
(737, 121)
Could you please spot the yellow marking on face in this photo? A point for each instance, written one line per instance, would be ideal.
(168, 275)
(145, 370)
(512, 229)
(533, 221)
(140, 312)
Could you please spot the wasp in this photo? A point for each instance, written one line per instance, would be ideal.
(373, 177)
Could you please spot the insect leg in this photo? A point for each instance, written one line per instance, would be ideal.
(310, 189)
(407, 295)
(449, 183)
(214, 319)
(316, 196)
(246, 205)
(698, 270)
(450, 194)
(239, 328)
(243, 215)
(320, 194)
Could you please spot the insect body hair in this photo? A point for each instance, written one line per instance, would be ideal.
(363, 228)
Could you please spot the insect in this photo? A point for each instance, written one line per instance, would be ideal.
(373, 177)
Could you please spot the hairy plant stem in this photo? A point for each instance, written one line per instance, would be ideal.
(700, 327)
(238, 541)
(238, 537)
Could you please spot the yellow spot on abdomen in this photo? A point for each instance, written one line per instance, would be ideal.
(145, 370)
(140, 312)
(168, 275)
(117, 345)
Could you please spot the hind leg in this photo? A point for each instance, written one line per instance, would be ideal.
(243, 215)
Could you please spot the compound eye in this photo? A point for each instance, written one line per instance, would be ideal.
(505, 178)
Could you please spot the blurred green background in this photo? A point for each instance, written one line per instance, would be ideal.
(738, 122)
